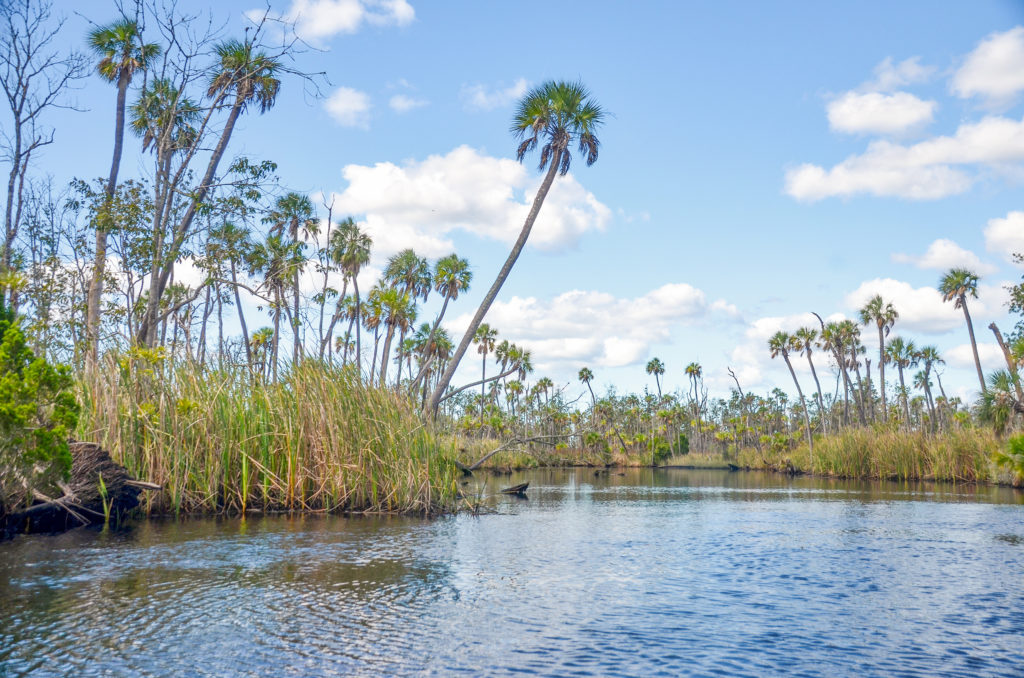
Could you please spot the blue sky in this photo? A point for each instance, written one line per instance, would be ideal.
(760, 160)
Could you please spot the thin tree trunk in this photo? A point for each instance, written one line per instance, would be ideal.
(485, 305)
(821, 401)
(974, 343)
(92, 320)
(159, 281)
(803, 404)
(241, 314)
(903, 388)
(1011, 366)
(881, 373)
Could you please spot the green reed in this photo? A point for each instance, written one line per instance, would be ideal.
(318, 440)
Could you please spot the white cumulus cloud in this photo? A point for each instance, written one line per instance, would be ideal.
(420, 203)
(922, 309)
(349, 107)
(877, 113)
(318, 20)
(990, 355)
(927, 170)
(598, 329)
(1005, 235)
(944, 254)
(485, 98)
(994, 70)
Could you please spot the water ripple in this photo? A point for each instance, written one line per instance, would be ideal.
(667, 574)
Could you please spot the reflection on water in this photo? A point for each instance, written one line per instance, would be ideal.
(651, 572)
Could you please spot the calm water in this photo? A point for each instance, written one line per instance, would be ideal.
(650, 573)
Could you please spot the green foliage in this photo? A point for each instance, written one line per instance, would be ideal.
(37, 411)
(1012, 457)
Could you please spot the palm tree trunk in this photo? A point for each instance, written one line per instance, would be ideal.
(241, 314)
(803, 404)
(430, 339)
(92, 316)
(903, 388)
(821, 401)
(358, 321)
(485, 305)
(974, 343)
(1011, 365)
(159, 280)
(295, 320)
(386, 352)
(881, 373)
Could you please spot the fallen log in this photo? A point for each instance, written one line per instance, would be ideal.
(98, 488)
(519, 490)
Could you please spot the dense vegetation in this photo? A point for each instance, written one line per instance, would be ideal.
(336, 397)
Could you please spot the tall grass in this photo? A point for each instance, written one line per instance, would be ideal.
(959, 455)
(220, 442)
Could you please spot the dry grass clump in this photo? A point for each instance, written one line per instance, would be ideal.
(959, 455)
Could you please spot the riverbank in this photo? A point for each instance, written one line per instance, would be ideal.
(960, 455)
(220, 442)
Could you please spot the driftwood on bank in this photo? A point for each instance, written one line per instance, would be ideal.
(98, 487)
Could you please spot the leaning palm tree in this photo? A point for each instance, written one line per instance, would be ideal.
(586, 375)
(122, 53)
(552, 116)
(956, 286)
(782, 344)
(657, 368)
(884, 316)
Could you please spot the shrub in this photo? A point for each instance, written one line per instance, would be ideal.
(37, 411)
(1013, 457)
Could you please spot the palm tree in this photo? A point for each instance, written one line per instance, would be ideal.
(452, 277)
(902, 354)
(409, 273)
(929, 356)
(485, 339)
(586, 376)
(557, 114)
(884, 316)
(956, 286)
(251, 76)
(261, 341)
(235, 244)
(350, 250)
(294, 211)
(781, 344)
(805, 339)
(277, 261)
(657, 368)
(121, 54)
(832, 340)
(399, 312)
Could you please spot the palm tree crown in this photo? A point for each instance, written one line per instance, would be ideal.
(557, 113)
(250, 75)
(121, 50)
